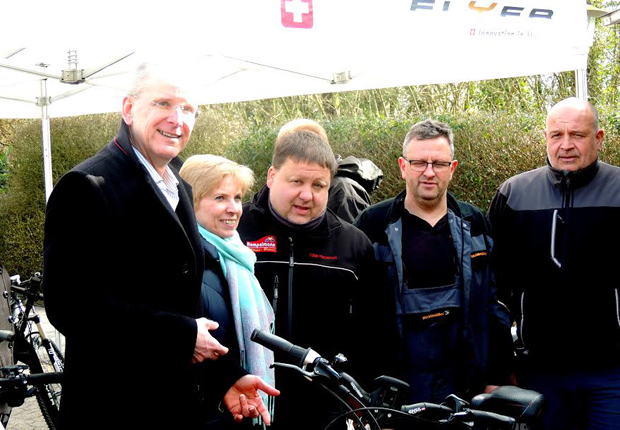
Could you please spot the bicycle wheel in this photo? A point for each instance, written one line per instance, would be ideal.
(48, 395)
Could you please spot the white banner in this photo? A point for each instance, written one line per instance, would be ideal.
(253, 49)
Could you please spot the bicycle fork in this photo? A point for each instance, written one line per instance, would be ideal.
(47, 344)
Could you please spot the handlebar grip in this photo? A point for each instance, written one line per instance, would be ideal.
(18, 289)
(45, 378)
(26, 292)
(496, 420)
(276, 343)
(420, 408)
(6, 335)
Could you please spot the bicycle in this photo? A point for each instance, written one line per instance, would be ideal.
(383, 408)
(32, 347)
(16, 385)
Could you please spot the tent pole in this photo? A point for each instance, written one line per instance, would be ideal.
(44, 102)
(581, 84)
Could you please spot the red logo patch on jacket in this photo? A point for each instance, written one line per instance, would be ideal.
(323, 257)
(265, 244)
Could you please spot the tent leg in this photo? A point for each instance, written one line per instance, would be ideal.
(581, 84)
(46, 141)
(44, 102)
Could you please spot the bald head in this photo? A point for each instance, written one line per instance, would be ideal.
(578, 105)
(572, 134)
(302, 124)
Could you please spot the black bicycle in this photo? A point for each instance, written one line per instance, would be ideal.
(383, 408)
(17, 384)
(31, 346)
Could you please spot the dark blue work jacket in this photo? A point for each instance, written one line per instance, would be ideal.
(446, 332)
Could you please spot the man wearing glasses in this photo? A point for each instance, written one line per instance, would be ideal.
(557, 234)
(454, 335)
(123, 266)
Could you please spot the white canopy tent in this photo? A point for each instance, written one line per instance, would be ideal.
(60, 60)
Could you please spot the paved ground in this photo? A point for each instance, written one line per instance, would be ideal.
(28, 416)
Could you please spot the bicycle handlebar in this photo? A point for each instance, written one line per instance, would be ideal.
(14, 386)
(303, 356)
(32, 379)
(31, 286)
(26, 291)
(344, 384)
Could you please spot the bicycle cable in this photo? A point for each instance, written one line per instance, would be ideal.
(351, 410)
(369, 409)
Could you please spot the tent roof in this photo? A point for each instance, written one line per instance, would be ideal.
(254, 49)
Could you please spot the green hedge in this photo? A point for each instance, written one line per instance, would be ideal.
(490, 148)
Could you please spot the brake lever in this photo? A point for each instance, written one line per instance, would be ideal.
(321, 369)
(309, 375)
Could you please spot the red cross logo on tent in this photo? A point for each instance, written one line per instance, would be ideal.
(297, 13)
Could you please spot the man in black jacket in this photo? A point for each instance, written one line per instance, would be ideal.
(314, 267)
(349, 192)
(123, 265)
(553, 229)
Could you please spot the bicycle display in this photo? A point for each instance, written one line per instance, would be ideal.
(503, 408)
(43, 362)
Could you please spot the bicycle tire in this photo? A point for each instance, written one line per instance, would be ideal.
(47, 395)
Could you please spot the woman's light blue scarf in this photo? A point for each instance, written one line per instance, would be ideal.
(251, 308)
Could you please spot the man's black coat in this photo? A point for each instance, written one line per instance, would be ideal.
(122, 278)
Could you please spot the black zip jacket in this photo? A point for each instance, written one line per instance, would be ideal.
(321, 287)
(554, 233)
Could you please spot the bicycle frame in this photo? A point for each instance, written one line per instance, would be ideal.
(23, 318)
(33, 347)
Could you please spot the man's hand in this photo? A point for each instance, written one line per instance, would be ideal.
(207, 347)
(244, 401)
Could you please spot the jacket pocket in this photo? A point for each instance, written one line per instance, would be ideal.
(479, 260)
(427, 300)
(383, 253)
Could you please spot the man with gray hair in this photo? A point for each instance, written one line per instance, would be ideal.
(555, 228)
(434, 250)
(123, 265)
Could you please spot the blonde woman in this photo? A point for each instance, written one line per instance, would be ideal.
(231, 294)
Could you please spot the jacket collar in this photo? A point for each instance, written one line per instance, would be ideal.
(210, 249)
(260, 203)
(398, 206)
(122, 143)
(571, 180)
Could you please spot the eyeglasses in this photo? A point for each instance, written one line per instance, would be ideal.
(421, 165)
(166, 106)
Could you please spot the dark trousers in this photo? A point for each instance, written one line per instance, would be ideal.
(578, 400)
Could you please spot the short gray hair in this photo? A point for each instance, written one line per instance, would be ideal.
(140, 78)
(178, 74)
(429, 129)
